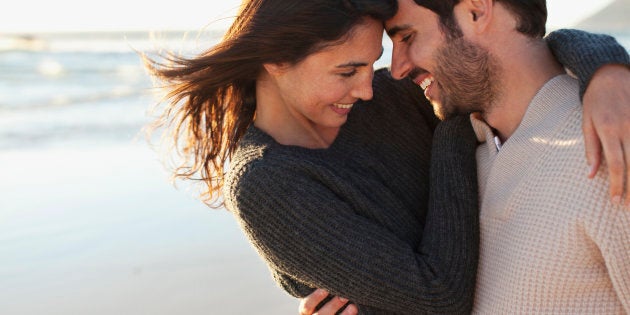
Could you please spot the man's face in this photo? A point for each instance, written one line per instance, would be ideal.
(456, 75)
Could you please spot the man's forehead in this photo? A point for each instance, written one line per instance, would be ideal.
(404, 18)
(409, 15)
(435, 6)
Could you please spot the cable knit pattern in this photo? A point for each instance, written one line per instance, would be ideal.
(551, 241)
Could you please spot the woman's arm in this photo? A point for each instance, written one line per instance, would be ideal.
(310, 234)
(607, 126)
(454, 199)
(602, 67)
(583, 53)
(453, 185)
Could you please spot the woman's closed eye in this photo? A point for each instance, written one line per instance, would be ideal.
(349, 74)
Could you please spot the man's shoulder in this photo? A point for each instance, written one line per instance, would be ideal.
(562, 87)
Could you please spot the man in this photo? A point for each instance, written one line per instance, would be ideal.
(419, 52)
(551, 240)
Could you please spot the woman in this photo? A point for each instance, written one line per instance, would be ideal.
(329, 177)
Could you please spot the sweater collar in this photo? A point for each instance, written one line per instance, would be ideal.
(502, 172)
(552, 102)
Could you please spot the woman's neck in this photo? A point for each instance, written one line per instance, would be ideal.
(285, 126)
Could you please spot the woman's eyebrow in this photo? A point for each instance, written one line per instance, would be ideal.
(352, 64)
(359, 64)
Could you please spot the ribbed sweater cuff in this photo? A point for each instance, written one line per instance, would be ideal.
(584, 53)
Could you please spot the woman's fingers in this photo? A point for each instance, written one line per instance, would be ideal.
(309, 304)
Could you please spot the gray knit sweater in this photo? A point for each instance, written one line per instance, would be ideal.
(365, 219)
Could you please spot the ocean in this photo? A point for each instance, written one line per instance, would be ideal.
(75, 88)
(89, 223)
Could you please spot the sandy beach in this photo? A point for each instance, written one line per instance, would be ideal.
(100, 230)
(89, 221)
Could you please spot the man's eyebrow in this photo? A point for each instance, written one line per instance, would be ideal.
(359, 64)
(396, 29)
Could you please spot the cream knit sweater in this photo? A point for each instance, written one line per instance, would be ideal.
(551, 241)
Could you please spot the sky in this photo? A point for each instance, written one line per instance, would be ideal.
(112, 15)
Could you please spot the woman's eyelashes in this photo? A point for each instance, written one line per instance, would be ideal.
(349, 74)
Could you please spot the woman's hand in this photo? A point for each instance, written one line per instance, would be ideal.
(607, 126)
(309, 304)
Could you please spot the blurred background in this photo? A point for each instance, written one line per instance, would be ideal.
(89, 221)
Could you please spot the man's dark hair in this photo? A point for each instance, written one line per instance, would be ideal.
(531, 15)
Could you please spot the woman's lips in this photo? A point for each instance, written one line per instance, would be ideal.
(342, 109)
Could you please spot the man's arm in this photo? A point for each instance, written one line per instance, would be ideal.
(609, 228)
(602, 66)
(618, 260)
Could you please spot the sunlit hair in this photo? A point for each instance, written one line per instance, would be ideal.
(531, 15)
(210, 100)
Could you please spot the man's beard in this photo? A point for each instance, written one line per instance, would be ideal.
(467, 78)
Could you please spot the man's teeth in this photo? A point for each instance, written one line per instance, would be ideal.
(426, 82)
(343, 106)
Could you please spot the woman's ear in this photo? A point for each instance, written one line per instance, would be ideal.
(275, 68)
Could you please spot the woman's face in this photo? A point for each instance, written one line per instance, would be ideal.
(319, 92)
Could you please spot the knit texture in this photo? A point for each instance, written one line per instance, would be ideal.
(551, 241)
(350, 218)
(594, 50)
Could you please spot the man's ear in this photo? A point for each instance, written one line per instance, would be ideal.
(474, 15)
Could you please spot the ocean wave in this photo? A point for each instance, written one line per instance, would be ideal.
(117, 42)
(72, 134)
(22, 43)
(121, 94)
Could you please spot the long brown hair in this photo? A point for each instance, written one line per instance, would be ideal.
(211, 97)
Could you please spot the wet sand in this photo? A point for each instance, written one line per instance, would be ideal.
(100, 230)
